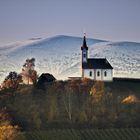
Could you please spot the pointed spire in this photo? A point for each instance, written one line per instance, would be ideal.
(84, 43)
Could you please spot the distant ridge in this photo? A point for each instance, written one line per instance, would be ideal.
(61, 56)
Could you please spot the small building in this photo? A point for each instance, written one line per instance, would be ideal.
(45, 78)
(95, 68)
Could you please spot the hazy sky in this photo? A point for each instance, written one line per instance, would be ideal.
(102, 19)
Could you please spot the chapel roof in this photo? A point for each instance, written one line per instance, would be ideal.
(97, 63)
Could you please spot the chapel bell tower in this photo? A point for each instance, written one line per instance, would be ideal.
(84, 49)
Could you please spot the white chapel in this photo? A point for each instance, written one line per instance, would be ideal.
(95, 68)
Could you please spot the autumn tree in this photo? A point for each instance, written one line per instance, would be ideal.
(97, 91)
(52, 108)
(94, 105)
(12, 80)
(7, 130)
(29, 75)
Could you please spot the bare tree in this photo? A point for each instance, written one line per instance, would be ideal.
(68, 101)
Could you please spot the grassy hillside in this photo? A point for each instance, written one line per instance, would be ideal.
(71, 110)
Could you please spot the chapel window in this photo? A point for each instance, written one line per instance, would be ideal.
(105, 73)
(98, 73)
(90, 73)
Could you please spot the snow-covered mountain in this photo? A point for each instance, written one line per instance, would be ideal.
(61, 56)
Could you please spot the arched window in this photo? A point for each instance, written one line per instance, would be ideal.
(105, 73)
(90, 73)
(98, 73)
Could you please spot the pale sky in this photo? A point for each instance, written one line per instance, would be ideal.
(114, 20)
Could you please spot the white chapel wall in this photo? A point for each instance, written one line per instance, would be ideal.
(98, 77)
(87, 73)
(101, 76)
(109, 76)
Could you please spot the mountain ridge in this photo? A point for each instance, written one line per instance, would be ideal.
(61, 56)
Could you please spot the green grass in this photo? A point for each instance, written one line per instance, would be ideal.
(85, 134)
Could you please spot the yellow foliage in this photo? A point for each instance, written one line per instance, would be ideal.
(9, 132)
(98, 88)
(130, 99)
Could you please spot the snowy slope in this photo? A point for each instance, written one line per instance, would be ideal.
(61, 56)
(6, 62)
(123, 56)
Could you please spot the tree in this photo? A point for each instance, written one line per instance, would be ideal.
(97, 91)
(52, 108)
(69, 100)
(29, 75)
(94, 105)
(12, 80)
(8, 131)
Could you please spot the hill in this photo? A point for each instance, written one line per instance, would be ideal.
(77, 109)
(70, 104)
(61, 56)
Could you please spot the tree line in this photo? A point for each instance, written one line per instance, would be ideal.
(77, 103)
(30, 102)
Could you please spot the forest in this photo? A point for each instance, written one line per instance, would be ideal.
(70, 104)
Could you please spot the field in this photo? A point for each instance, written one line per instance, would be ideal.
(85, 134)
